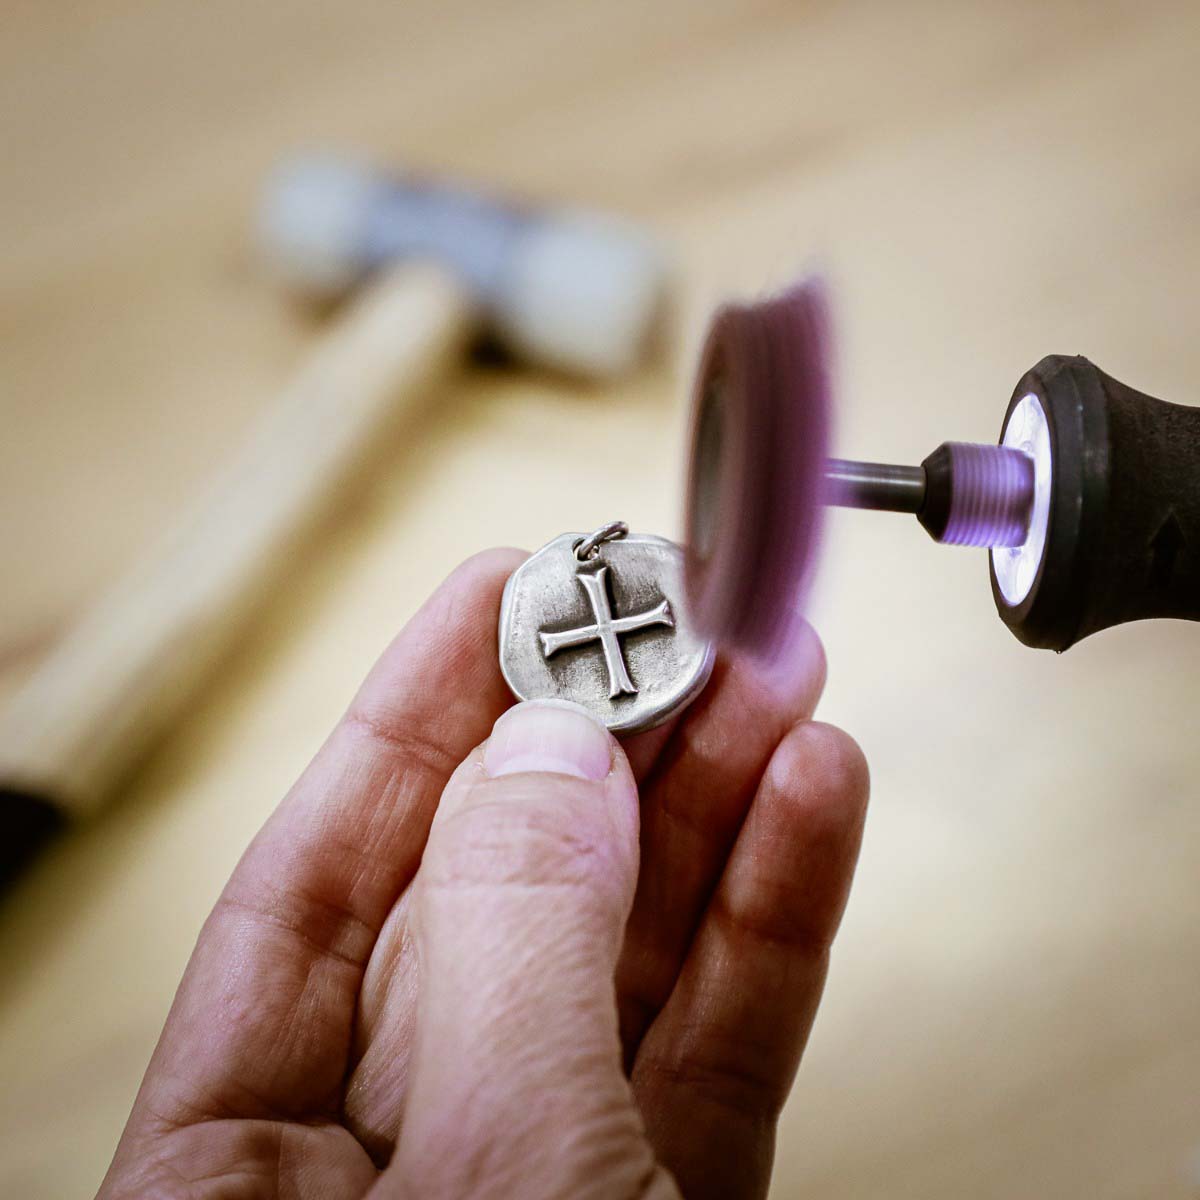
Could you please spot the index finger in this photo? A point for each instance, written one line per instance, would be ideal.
(261, 1024)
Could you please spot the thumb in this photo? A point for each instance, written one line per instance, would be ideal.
(517, 916)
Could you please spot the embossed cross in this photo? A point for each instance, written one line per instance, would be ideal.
(607, 631)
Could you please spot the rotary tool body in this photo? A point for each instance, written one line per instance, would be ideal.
(1090, 505)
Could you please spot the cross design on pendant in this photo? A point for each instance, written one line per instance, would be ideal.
(606, 631)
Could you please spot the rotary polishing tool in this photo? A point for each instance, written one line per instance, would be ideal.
(1089, 505)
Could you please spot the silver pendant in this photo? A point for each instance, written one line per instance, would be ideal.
(598, 619)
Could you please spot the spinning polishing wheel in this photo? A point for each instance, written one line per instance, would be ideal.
(1089, 506)
(759, 432)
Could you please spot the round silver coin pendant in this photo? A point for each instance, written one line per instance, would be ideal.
(599, 619)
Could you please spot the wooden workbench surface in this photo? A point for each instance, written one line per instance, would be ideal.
(1014, 1005)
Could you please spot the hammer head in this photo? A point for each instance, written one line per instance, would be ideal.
(573, 291)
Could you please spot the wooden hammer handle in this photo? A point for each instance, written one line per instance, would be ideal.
(123, 672)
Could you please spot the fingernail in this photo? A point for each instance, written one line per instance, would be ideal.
(549, 735)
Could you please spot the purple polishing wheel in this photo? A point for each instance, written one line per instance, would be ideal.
(760, 429)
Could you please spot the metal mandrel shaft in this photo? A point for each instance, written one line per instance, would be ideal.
(964, 493)
(885, 487)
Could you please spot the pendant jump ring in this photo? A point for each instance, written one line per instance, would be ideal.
(589, 546)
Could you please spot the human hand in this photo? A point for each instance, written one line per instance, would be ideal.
(438, 970)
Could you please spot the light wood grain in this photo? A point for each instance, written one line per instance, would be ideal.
(121, 675)
(1012, 1009)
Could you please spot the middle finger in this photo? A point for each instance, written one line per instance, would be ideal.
(693, 802)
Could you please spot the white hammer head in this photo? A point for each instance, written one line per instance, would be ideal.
(575, 291)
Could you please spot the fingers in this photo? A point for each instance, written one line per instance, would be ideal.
(516, 917)
(677, 878)
(714, 1069)
(261, 1024)
(693, 804)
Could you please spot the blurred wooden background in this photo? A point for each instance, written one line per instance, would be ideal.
(1014, 1007)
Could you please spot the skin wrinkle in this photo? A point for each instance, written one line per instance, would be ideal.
(405, 753)
(810, 938)
(197, 1103)
(490, 1008)
(305, 1015)
(279, 1157)
(395, 821)
(379, 1130)
(398, 823)
(174, 1185)
(727, 1085)
(188, 1112)
(729, 1072)
(259, 1161)
(593, 1152)
(262, 1135)
(347, 927)
(386, 974)
(474, 850)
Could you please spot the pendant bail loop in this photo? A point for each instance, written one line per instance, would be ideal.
(588, 547)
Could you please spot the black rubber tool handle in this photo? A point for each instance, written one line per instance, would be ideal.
(1123, 537)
